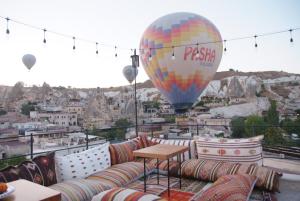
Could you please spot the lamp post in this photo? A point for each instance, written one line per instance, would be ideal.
(135, 64)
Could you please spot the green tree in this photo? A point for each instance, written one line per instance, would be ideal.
(289, 126)
(237, 125)
(255, 125)
(119, 130)
(272, 117)
(273, 136)
(27, 107)
(12, 161)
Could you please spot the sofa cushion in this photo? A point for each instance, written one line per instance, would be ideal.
(208, 170)
(143, 141)
(163, 165)
(229, 188)
(83, 164)
(231, 150)
(123, 152)
(122, 174)
(125, 194)
(80, 189)
(190, 154)
(9, 174)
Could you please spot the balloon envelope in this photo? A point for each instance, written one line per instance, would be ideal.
(29, 60)
(176, 65)
(130, 73)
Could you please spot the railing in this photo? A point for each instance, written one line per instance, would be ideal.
(117, 134)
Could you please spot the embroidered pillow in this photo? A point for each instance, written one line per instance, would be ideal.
(9, 174)
(83, 164)
(231, 150)
(46, 165)
(123, 152)
(228, 188)
(118, 194)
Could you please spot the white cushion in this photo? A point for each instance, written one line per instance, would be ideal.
(247, 150)
(81, 165)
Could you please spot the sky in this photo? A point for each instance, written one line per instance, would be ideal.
(121, 23)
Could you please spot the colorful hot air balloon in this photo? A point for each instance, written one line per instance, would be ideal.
(130, 73)
(29, 60)
(181, 53)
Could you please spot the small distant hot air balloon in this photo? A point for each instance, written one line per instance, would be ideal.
(180, 53)
(29, 60)
(130, 73)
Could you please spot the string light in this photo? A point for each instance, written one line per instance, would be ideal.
(44, 41)
(255, 45)
(97, 48)
(7, 29)
(150, 55)
(116, 54)
(173, 53)
(291, 39)
(225, 49)
(197, 53)
(74, 43)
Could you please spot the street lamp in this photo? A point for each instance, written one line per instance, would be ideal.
(135, 64)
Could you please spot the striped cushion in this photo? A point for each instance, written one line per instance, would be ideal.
(143, 141)
(190, 154)
(122, 194)
(208, 170)
(229, 188)
(122, 174)
(123, 152)
(80, 189)
(232, 150)
(163, 165)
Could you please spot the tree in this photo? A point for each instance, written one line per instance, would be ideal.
(272, 117)
(273, 136)
(27, 107)
(254, 125)
(119, 130)
(237, 125)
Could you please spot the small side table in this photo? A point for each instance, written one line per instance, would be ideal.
(161, 152)
(29, 191)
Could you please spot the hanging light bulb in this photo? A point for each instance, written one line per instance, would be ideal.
(97, 48)
(74, 43)
(116, 55)
(255, 45)
(44, 41)
(173, 53)
(291, 39)
(225, 49)
(7, 29)
(150, 55)
(197, 53)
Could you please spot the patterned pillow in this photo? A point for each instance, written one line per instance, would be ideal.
(208, 170)
(190, 154)
(228, 188)
(231, 150)
(46, 165)
(143, 141)
(83, 164)
(9, 174)
(123, 152)
(119, 194)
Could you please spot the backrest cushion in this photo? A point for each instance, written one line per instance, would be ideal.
(117, 194)
(190, 154)
(231, 150)
(9, 174)
(123, 152)
(80, 165)
(228, 188)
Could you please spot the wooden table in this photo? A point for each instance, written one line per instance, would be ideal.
(162, 152)
(29, 191)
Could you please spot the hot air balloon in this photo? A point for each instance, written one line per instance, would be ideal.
(180, 53)
(130, 73)
(29, 60)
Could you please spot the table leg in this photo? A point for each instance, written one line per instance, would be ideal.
(168, 177)
(157, 166)
(180, 171)
(145, 175)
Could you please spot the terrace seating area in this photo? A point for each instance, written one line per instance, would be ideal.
(211, 169)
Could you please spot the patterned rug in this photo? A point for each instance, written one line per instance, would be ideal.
(176, 195)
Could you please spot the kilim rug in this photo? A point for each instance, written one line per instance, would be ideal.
(176, 195)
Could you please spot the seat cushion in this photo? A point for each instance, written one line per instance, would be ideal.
(229, 188)
(123, 152)
(123, 194)
(209, 170)
(122, 174)
(163, 165)
(80, 189)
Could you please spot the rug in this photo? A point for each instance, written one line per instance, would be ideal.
(176, 195)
